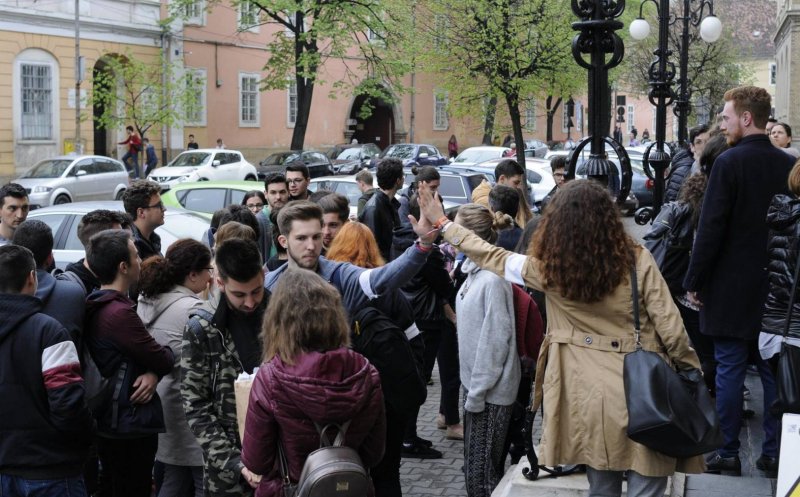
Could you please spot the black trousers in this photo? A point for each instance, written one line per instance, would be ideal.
(386, 475)
(703, 345)
(441, 343)
(127, 466)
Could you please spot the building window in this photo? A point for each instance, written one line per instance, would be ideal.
(291, 104)
(653, 127)
(36, 86)
(530, 116)
(578, 120)
(440, 121)
(564, 118)
(196, 81)
(631, 124)
(773, 73)
(194, 12)
(248, 100)
(248, 15)
(440, 25)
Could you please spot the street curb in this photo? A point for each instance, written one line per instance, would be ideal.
(514, 484)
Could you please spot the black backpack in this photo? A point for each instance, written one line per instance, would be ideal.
(375, 336)
(670, 241)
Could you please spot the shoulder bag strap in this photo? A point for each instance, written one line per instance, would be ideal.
(283, 465)
(792, 295)
(635, 297)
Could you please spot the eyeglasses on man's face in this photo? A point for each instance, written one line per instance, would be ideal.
(296, 181)
(159, 205)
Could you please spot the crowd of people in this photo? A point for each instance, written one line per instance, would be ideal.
(120, 370)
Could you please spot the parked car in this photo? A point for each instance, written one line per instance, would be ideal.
(536, 148)
(413, 154)
(205, 164)
(64, 219)
(343, 185)
(206, 197)
(538, 175)
(74, 178)
(476, 155)
(355, 157)
(454, 186)
(317, 163)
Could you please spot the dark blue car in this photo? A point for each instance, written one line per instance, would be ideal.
(413, 154)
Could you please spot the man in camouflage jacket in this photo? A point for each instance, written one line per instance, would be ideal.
(220, 342)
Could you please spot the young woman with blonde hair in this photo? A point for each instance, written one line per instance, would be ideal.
(309, 377)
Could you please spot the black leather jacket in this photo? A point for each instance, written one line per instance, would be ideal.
(783, 219)
(681, 169)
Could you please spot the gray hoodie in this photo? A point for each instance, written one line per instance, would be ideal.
(487, 347)
(165, 317)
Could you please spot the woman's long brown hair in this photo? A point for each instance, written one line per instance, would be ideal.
(583, 250)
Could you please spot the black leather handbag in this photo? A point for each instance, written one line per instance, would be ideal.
(787, 380)
(668, 412)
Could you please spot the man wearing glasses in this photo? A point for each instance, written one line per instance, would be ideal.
(297, 177)
(142, 201)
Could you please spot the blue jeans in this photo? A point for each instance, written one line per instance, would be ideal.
(732, 356)
(16, 486)
(135, 161)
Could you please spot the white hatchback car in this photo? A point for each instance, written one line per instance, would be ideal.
(74, 178)
(205, 164)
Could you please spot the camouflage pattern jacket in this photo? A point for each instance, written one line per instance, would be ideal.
(209, 367)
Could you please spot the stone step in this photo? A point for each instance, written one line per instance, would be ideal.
(514, 484)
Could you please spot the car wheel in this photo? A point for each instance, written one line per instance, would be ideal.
(119, 195)
(250, 177)
(62, 199)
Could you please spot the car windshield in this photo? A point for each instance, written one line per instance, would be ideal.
(350, 154)
(190, 159)
(49, 169)
(477, 155)
(288, 159)
(185, 224)
(400, 151)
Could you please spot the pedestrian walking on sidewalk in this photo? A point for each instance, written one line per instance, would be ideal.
(584, 269)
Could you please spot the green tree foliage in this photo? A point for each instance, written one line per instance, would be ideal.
(500, 50)
(142, 94)
(713, 67)
(305, 34)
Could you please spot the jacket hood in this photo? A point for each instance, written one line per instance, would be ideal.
(326, 386)
(784, 211)
(14, 309)
(469, 267)
(100, 298)
(47, 283)
(151, 308)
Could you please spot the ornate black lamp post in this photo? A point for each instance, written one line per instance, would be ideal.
(661, 75)
(597, 38)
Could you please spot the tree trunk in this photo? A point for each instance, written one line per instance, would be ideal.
(512, 100)
(305, 92)
(488, 123)
(551, 114)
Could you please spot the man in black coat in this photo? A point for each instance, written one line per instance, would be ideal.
(727, 273)
(380, 212)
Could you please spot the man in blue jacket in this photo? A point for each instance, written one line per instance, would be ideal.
(62, 300)
(47, 427)
(300, 224)
(727, 272)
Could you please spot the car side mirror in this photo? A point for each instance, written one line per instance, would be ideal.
(215, 163)
(80, 172)
(451, 160)
(423, 155)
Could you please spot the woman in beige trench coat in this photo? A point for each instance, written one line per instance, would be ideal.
(581, 258)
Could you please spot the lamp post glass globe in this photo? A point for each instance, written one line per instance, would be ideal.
(710, 29)
(639, 29)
